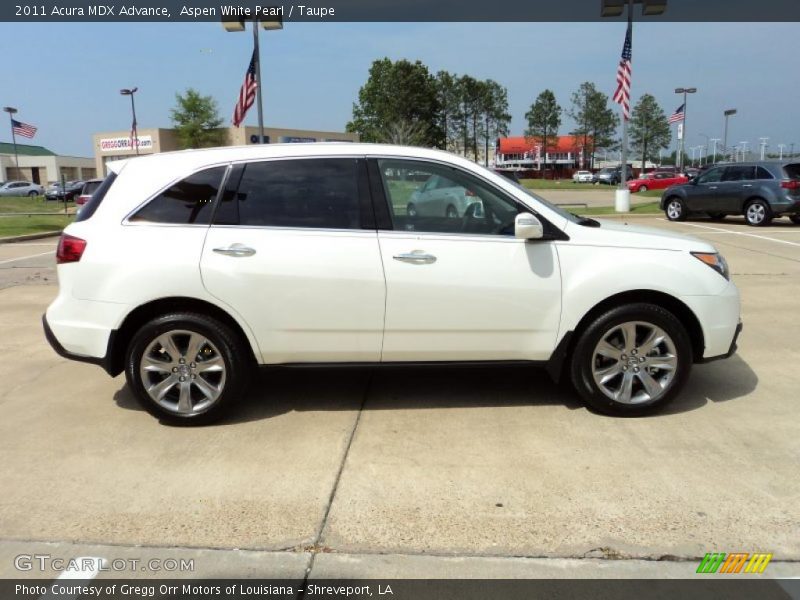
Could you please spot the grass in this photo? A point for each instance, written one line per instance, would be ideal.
(561, 184)
(21, 204)
(647, 208)
(22, 224)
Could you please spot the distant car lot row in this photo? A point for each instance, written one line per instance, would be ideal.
(79, 191)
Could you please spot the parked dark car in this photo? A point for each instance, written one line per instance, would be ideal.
(68, 193)
(760, 191)
(86, 192)
(611, 175)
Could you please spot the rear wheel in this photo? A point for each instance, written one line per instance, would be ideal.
(187, 368)
(632, 360)
(795, 219)
(642, 188)
(757, 213)
(451, 212)
(411, 209)
(676, 209)
(33, 193)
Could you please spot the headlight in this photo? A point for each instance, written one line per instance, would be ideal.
(716, 261)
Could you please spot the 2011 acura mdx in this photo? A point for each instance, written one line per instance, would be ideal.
(186, 270)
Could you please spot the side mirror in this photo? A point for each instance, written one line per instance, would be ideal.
(528, 227)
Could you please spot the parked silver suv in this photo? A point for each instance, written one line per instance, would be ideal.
(760, 191)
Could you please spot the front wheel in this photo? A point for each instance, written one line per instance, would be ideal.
(758, 213)
(632, 360)
(642, 188)
(33, 194)
(676, 209)
(411, 210)
(187, 368)
(451, 212)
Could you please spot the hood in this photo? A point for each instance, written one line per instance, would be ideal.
(623, 235)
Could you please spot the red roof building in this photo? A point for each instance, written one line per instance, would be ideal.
(526, 153)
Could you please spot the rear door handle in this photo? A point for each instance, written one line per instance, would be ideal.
(416, 257)
(712, 187)
(747, 185)
(237, 250)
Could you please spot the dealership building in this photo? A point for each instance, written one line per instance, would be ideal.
(116, 145)
(40, 165)
(525, 153)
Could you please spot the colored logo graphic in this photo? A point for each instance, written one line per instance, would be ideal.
(737, 562)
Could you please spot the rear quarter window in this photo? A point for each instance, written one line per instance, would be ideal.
(187, 202)
(97, 197)
(792, 171)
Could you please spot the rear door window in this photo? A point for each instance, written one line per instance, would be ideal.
(762, 173)
(738, 173)
(188, 202)
(301, 193)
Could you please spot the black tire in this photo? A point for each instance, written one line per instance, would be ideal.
(583, 360)
(451, 212)
(795, 219)
(33, 194)
(411, 210)
(231, 349)
(675, 209)
(757, 213)
(717, 216)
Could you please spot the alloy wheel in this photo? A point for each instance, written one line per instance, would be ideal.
(756, 213)
(183, 372)
(674, 209)
(634, 362)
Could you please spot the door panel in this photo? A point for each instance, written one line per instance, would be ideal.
(483, 298)
(308, 295)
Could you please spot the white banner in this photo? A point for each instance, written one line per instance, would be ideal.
(121, 144)
(680, 131)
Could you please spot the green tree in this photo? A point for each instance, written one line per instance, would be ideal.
(469, 93)
(197, 121)
(544, 119)
(447, 91)
(649, 127)
(595, 122)
(494, 108)
(398, 94)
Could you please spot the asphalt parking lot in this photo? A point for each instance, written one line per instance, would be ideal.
(414, 472)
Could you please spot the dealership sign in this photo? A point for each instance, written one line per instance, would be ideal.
(120, 144)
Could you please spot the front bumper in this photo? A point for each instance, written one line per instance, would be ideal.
(731, 351)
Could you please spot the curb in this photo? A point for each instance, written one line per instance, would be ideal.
(29, 236)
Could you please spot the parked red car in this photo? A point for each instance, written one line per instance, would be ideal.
(657, 180)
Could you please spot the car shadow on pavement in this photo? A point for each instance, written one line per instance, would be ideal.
(278, 391)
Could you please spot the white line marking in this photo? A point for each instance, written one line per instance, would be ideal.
(10, 260)
(752, 235)
(88, 568)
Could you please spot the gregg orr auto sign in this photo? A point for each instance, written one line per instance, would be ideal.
(120, 144)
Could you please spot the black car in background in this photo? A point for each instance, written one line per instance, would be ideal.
(68, 193)
(761, 191)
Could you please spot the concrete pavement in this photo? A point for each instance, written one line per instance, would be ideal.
(366, 471)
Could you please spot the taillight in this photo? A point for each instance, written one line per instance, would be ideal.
(791, 184)
(70, 249)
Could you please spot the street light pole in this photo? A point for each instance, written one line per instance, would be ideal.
(763, 146)
(715, 140)
(134, 130)
(684, 91)
(780, 148)
(11, 112)
(727, 113)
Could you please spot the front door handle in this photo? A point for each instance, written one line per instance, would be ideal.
(747, 185)
(712, 187)
(237, 250)
(417, 257)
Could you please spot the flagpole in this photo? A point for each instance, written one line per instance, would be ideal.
(257, 55)
(10, 110)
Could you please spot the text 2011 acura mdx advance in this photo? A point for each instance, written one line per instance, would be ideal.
(188, 269)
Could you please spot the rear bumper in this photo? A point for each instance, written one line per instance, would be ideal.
(102, 361)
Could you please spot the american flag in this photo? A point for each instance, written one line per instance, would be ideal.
(623, 94)
(247, 95)
(23, 129)
(678, 115)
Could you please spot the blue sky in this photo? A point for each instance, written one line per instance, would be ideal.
(65, 78)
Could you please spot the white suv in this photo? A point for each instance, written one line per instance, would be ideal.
(188, 269)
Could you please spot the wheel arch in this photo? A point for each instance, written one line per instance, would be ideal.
(118, 344)
(563, 352)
